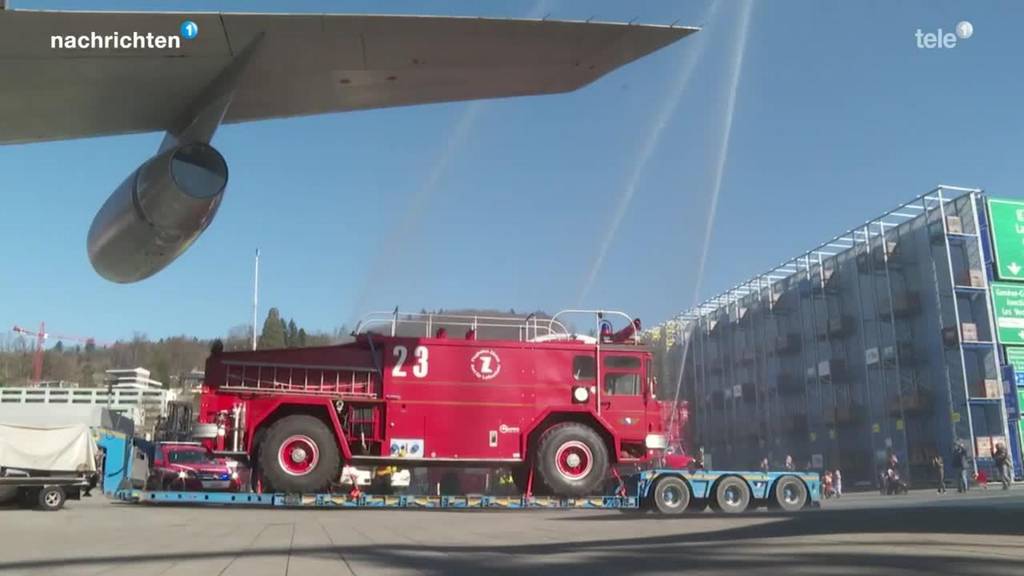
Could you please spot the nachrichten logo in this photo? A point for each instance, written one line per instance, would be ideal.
(189, 30)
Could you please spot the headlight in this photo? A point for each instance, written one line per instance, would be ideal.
(234, 475)
(656, 441)
(182, 475)
(580, 394)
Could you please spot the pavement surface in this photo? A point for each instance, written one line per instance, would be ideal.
(921, 533)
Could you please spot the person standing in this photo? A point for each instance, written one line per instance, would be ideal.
(789, 462)
(940, 472)
(893, 460)
(961, 463)
(1002, 460)
(764, 465)
(837, 481)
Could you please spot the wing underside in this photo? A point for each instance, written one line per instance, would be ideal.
(307, 64)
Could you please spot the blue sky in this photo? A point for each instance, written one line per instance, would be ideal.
(837, 116)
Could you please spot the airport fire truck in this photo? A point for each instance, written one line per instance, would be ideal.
(560, 409)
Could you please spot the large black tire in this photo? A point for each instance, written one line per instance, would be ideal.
(299, 454)
(671, 495)
(732, 495)
(572, 460)
(790, 493)
(51, 498)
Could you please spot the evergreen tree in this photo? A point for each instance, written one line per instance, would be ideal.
(86, 378)
(292, 340)
(273, 335)
(302, 338)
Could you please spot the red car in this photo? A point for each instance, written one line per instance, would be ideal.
(183, 466)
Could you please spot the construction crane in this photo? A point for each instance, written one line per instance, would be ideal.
(41, 337)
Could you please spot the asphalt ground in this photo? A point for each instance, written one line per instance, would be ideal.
(921, 533)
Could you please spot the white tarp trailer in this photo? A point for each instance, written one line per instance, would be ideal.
(46, 465)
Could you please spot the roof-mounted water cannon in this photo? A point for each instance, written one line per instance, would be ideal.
(630, 332)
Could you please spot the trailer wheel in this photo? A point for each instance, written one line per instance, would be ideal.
(790, 493)
(572, 459)
(671, 495)
(299, 454)
(51, 498)
(732, 495)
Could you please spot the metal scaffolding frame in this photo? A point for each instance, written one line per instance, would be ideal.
(861, 234)
(815, 268)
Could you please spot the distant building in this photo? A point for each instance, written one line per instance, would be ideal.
(193, 381)
(135, 378)
(57, 384)
(142, 406)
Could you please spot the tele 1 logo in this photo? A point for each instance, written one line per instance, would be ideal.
(940, 39)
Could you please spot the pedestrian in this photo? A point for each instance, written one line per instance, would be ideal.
(894, 482)
(961, 462)
(1002, 460)
(764, 465)
(789, 462)
(96, 478)
(940, 472)
(893, 460)
(837, 483)
(827, 487)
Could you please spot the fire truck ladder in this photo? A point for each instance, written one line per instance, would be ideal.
(313, 380)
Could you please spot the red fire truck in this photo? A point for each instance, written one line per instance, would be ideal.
(533, 396)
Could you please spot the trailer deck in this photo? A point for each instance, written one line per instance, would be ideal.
(666, 490)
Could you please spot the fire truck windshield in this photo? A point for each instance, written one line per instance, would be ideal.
(189, 457)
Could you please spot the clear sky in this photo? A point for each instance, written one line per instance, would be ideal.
(599, 197)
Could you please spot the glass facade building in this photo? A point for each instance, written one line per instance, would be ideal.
(881, 339)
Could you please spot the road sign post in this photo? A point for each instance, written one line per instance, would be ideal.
(1007, 221)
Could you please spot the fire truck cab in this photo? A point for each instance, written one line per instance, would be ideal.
(436, 390)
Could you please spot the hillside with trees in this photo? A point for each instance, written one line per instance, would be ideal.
(168, 359)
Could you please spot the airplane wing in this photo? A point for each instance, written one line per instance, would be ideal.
(306, 64)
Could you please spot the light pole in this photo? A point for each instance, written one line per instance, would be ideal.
(255, 297)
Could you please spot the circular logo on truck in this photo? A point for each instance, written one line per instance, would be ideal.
(485, 364)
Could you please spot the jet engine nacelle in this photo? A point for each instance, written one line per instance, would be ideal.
(157, 212)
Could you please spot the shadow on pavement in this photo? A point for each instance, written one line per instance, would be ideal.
(963, 519)
(742, 548)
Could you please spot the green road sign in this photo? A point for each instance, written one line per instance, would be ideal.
(1020, 403)
(1007, 220)
(1015, 357)
(1008, 306)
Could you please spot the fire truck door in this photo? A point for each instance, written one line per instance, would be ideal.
(622, 395)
